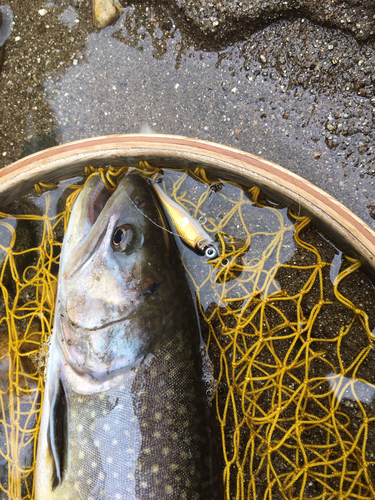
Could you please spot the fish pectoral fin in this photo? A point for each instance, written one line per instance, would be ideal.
(57, 430)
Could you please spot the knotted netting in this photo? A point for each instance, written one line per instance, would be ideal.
(289, 335)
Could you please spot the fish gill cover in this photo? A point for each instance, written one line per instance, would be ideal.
(291, 344)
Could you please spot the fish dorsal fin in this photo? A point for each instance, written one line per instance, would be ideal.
(57, 429)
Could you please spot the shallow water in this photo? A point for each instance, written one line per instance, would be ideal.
(287, 318)
(290, 91)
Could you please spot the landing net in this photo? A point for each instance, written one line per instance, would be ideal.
(294, 386)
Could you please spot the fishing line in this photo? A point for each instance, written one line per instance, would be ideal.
(149, 218)
(212, 189)
(159, 226)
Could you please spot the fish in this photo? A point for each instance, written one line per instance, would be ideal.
(6, 26)
(124, 413)
(190, 231)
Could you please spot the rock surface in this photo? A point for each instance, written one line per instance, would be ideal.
(292, 91)
(355, 16)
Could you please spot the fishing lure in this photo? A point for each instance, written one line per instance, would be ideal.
(188, 229)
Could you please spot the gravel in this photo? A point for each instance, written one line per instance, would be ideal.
(295, 92)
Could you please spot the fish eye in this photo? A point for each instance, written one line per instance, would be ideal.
(127, 239)
(122, 237)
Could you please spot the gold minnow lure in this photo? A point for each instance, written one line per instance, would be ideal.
(188, 229)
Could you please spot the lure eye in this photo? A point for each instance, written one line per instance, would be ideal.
(211, 252)
(127, 239)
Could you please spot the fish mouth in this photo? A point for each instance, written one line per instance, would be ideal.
(98, 200)
(98, 328)
(82, 243)
(98, 366)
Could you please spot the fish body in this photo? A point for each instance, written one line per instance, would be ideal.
(186, 227)
(124, 413)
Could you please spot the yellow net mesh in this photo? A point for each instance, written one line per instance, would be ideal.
(292, 352)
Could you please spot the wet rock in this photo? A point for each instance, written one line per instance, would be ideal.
(299, 51)
(154, 67)
(222, 16)
(330, 126)
(332, 142)
(106, 12)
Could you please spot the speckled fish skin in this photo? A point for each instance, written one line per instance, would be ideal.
(124, 413)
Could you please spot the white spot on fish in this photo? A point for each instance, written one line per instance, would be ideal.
(155, 468)
(81, 455)
(109, 460)
(106, 427)
(96, 443)
(79, 428)
(149, 359)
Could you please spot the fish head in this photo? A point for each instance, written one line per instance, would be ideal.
(119, 282)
